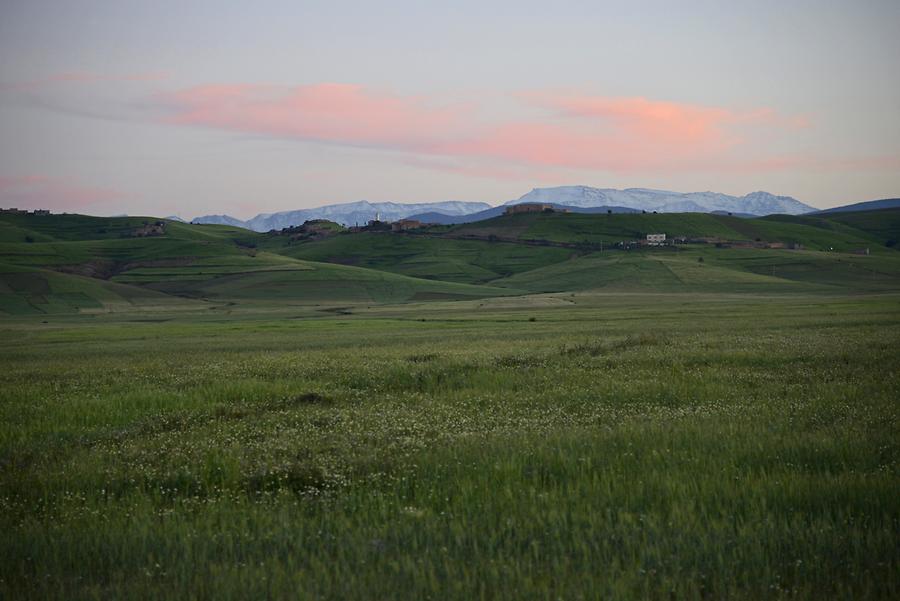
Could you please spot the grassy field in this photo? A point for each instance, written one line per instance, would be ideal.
(577, 446)
(212, 413)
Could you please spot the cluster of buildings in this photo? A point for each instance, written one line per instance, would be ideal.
(532, 207)
(401, 225)
(15, 211)
(662, 240)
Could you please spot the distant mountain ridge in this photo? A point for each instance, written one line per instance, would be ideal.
(347, 214)
(664, 201)
(221, 220)
(577, 198)
(869, 205)
(497, 211)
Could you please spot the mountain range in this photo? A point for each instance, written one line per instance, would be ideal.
(576, 198)
(663, 201)
(869, 205)
(347, 214)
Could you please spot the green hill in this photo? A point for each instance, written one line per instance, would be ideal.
(595, 228)
(25, 290)
(66, 263)
(715, 270)
(882, 226)
(546, 252)
(114, 261)
(429, 257)
(609, 229)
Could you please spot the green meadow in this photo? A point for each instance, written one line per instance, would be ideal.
(218, 414)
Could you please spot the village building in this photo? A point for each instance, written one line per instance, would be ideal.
(376, 225)
(656, 239)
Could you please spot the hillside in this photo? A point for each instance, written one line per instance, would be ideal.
(557, 252)
(65, 263)
(715, 270)
(25, 290)
(73, 263)
(429, 257)
(881, 226)
(813, 233)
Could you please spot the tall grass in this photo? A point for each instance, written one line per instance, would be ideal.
(614, 447)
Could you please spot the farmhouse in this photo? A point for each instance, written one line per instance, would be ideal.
(656, 239)
(528, 207)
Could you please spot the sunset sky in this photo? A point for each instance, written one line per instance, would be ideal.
(191, 108)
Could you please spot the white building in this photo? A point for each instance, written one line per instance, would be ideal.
(656, 239)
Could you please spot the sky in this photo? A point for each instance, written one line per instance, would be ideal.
(209, 107)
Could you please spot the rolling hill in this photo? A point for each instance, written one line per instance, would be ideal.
(813, 233)
(64, 263)
(558, 252)
(73, 263)
(436, 257)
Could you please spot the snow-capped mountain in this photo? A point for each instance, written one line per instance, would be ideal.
(756, 203)
(220, 220)
(348, 214)
(582, 197)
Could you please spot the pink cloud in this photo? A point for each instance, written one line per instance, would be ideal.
(328, 112)
(622, 134)
(570, 131)
(651, 119)
(58, 194)
(595, 132)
